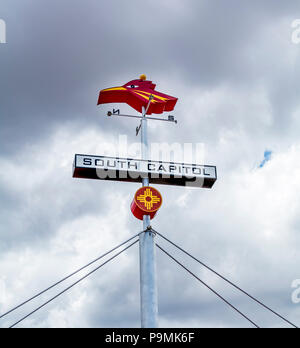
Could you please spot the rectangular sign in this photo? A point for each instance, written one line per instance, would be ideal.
(133, 170)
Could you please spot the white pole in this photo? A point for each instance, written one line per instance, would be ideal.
(148, 287)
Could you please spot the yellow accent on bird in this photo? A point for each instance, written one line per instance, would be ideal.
(143, 77)
(114, 89)
(150, 202)
(141, 95)
(154, 95)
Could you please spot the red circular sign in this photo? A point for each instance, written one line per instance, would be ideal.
(147, 201)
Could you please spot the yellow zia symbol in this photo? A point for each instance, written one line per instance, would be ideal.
(148, 199)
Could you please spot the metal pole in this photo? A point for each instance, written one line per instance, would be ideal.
(148, 287)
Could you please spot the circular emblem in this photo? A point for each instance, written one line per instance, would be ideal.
(147, 201)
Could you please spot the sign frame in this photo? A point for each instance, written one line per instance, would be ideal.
(203, 176)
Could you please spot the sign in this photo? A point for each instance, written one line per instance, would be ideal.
(133, 170)
(147, 201)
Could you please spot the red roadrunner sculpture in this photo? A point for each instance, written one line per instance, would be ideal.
(136, 93)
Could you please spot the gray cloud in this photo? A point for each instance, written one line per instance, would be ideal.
(59, 56)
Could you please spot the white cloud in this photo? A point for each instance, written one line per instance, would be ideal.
(245, 227)
(47, 194)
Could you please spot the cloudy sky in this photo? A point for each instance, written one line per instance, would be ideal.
(235, 69)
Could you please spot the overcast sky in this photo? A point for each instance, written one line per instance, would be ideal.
(236, 71)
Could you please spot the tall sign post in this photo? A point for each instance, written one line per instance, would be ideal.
(142, 96)
(148, 282)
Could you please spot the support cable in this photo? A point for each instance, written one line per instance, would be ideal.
(211, 289)
(72, 285)
(67, 277)
(228, 281)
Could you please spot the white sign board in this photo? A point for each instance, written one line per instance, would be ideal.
(133, 170)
